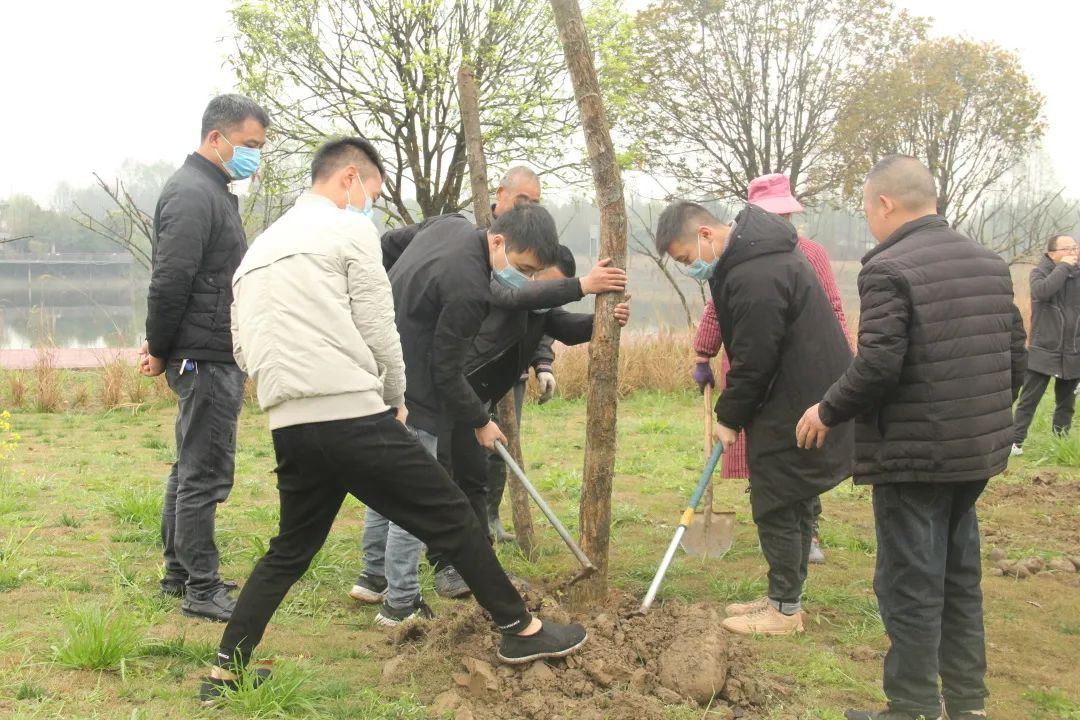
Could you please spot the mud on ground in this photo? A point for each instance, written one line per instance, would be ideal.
(632, 667)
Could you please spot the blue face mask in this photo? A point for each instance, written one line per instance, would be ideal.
(243, 163)
(510, 276)
(367, 211)
(700, 270)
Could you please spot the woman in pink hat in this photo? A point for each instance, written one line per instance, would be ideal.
(771, 193)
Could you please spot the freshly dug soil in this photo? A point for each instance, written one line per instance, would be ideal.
(632, 667)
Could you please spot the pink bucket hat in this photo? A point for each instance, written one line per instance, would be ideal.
(772, 193)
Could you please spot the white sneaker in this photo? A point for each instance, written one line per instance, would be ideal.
(1016, 451)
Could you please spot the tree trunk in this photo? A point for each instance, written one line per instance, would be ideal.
(507, 414)
(595, 511)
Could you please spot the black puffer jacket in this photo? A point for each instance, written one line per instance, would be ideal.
(786, 349)
(198, 244)
(1055, 320)
(940, 359)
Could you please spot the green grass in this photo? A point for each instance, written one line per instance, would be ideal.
(1053, 704)
(79, 514)
(98, 639)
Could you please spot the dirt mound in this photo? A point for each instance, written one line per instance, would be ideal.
(632, 667)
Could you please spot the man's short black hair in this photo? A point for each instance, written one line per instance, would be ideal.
(529, 227)
(565, 263)
(676, 221)
(1051, 246)
(336, 154)
(225, 112)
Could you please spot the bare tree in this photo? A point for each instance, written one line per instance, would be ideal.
(648, 249)
(387, 70)
(125, 225)
(603, 398)
(733, 90)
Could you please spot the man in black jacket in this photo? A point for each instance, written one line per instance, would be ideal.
(1054, 350)
(939, 361)
(198, 244)
(442, 294)
(786, 348)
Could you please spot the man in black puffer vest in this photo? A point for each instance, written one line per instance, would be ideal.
(198, 244)
(940, 360)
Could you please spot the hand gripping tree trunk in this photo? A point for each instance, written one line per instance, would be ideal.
(595, 512)
(507, 413)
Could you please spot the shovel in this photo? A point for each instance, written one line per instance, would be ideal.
(712, 533)
(686, 521)
(587, 568)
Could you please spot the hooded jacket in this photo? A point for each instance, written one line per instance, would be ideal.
(786, 349)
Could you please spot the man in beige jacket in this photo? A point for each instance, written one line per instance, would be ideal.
(314, 326)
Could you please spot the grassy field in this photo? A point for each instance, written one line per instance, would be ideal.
(85, 635)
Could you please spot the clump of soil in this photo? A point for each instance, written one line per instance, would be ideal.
(632, 668)
(1026, 567)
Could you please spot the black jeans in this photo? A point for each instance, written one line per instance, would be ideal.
(1035, 385)
(209, 397)
(378, 461)
(468, 463)
(785, 541)
(927, 582)
(496, 468)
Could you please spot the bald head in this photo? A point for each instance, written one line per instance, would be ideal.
(898, 189)
(519, 185)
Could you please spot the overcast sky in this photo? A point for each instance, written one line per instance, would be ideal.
(88, 84)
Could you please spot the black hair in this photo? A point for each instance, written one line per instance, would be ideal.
(565, 263)
(529, 227)
(676, 220)
(225, 112)
(336, 154)
(1051, 246)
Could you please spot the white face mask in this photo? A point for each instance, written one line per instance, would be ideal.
(367, 210)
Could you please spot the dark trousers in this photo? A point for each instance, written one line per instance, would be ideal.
(1035, 385)
(785, 535)
(209, 397)
(468, 463)
(927, 583)
(378, 461)
(496, 468)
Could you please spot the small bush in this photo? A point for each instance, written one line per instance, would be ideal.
(111, 386)
(97, 639)
(16, 389)
(48, 397)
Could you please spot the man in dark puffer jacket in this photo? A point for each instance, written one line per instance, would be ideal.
(198, 244)
(940, 360)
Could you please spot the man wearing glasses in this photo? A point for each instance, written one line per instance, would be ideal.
(1054, 348)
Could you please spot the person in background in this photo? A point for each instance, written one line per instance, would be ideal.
(771, 193)
(313, 322)
(1054, 347)
(198, 243)
(939, 363)
(786, 348)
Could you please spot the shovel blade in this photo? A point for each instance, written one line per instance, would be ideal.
(715, 543)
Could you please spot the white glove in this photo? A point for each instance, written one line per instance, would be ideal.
(547, 385)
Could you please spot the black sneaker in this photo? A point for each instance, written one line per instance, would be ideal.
(392, 616)
(177, 588)
(216, 606)
(888, 715)
(449, 584)
(553, 641)
(212, 691)
(369, 589)
(967, 715)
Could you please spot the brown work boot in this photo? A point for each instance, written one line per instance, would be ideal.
(746, 608)
(766, 621)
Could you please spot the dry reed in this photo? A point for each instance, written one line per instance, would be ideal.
(48, 394)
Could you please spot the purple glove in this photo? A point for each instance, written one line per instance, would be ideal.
(703, 376)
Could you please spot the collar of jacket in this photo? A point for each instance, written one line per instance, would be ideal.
(482, 234)
(756, 232)
(309, 197)
(926, 221)
(212, 171)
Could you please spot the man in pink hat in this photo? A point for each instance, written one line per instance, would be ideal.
(773, 194)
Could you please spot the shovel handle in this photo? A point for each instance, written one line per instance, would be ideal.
(708, 451)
